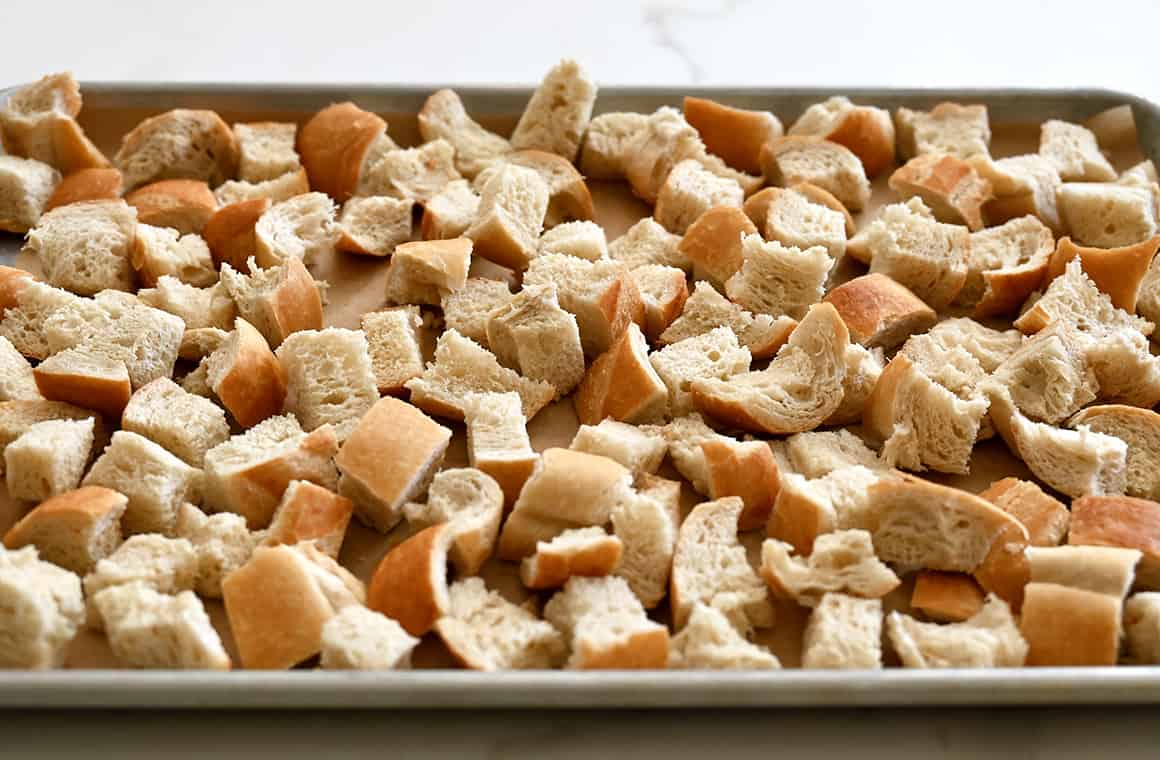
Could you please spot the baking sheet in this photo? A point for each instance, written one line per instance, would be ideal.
(357, 286)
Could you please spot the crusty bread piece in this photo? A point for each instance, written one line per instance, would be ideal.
(845, 633)
(1005, 264)
(41, 611)
(484, 631)
(1120, 521)
(266, 150)
(178, 144)
(443, 117)
(248, 473)
(309, 512)
(229, 233)
(712, 243)
(558, 112)
(461, 366)
(211, 307)
(18, 416)
(568, 196)
(449, 212)
(1119, 272)
(158, 631)
(947, 597)
(639, 449)
(222, 543)
(663, 291)
(568, 489)
(1140, 430)
(1124, 367)
(393, 343)
(182, 204)
(812, 364)
(865, 130)
(534, 336)
(388, 460)
(158, 252)
(878, 311)
(334, 144)
(710, 567)
(374, 226)
(989, 347)
(38, 121)
(988, 639)
(1074, 152)
(415, 173)
(582, 238)
(468, 309)
(817, 454)
(26, 186)
(507, 226)
(962, 131)
(276, 190)
(734, 134)
(48, 459)
(1022, 185)
(200, 342)
(360, 639)
(1074, 462)
(1142, 627)
(472, 502)
(1048, 377)
(96, 184)
(605, 150)
(685, 436)
(1106, 214)
(745, 469)
(410, 582)
(246, 377)
(842, 561)
(1074, 297)
(302, 227)
(1099, 569)
(709, 642)
(165, 565)
(278, 603)
(622, 384)
(715, 354)
(329, 378)
(647, 525)
(587, 552)
(863, 370)
(775, 279)
(606, 626)
(497, 440)
(185, 424)
(74, 530)
(83, 377)
(85, 247)
(653, 148)
(786, 161)
(277, 301)
(707, 309)
(948, 185)
(425, 272)
(1069, 626)
(689, 191)
(792, 219)
(25, 304)
(647, 242)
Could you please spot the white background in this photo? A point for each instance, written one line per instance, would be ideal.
(805, 42)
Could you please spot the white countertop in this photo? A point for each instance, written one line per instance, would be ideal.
(911, 43)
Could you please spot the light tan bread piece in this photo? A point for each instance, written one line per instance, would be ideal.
(388, 460)
(427, 271)
(710, 567)
(844, 633)
(878, 311)
(85, 247)
(249, 473)
(484, 631)
(410, 582)
(988, 639)
(801, 387)
(497, 440)
(745, 469)
(278, 603)
(48, 459)
(775, 279)
(794, 220)
(309, 512)
(266, 150)
(74, 530)
(200, 342)
(577, 552)
(39, 121)
(230, 235)
(1120, 521)
(537, 338)
(25, 304)
(185, 424)
(17, 416)
(863, 370)
(374, 226)
(246, 377)
(96, 184)
(472, 502)
(1074, 152)
(79, 376)
(26, 186)
(165, 565)
(178, 144)
(715, 354)
(583, 239)
(606, 626)
(639, 449)
(415, 173)
(197, 307)
(654, 147)
(1069, 626)
(948, 185)
(1142, 628)
(989, 347)
(1106, 214)
(734, 134)
(786, 161)
(822, 197)
(1119, 272)
(1023, 185)
(302, 227)
(865, 130)
(334, 144)
(709, 642)
(947, 597)
(604, 153)
(1104, 570)
(647, 526)
(158, 631)
(1142, 174)
(462, 366)
(449, 212)
(443, 117)
(689, 191)
(1074, 297)
(1048, 377)
(960, 130)
(278, 301)
(1140, 430)
(707, 309)
(222, 543)
(817, 454)
(1005, 265)
(181, 204)
(685, 436)
(42, 610)
(468, 309)
(360, 639)
(663, 291)
(512, 206)
(712, 243)
(568, 196)
(622, 384)
(842, 561)
(648, 242)
(393, 342)
(329, 378)
(276, 190)
(557, 114)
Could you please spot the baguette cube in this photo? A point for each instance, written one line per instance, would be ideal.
(707, 309)
(734, 134)
(497, 440)
(663, 291)
(469, 499)
(185, 424)
(449, 213)
(486, 632)
(512, 206)
(416, 174)
(74, 530)
(794, 220)
(689, 191)
(709, 642)
(309, 512)
(1142, 627)
(636, 448)
(151, 630)
(302, 227)
(844, 632)
(277, 301)
(842, 561)
(578, 552)
(947, 184)
(222, 543)
(17, 381)
(361, 639)
(646, 524)
(275, 190)
(245, 376)
(329, 378)
(85, 247)
(41, 610)
(622, 384)
(713, 243)
(178, 144)
(605, 150)
(533, 335)
(1073, 150)
(648, 243)
(26, 186)
(959, 130)
(988, 639)
(1107, 215)
(788, 161)
(39, 121)
(48, 459)
(374, 226)
(715, 354)
(558, 112)
(865, 130)
(777, 280)
(166, 565)
(583, 239)
(197, 307)
(426, 272)
(606, 626)
(443, 117)
(184, 205)
(393, 342)
(926, 256)
(266, 150)
(469, 309)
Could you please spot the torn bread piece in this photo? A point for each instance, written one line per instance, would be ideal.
(276, 190)
(472, 502)
(689, 191)
(1120, 521)
(266, 150)
(622, 384)
(639, 449)
(1024, 185)
(844, 633)
(878, 311)
(449, 212)
(198, 307)
(1048, 377)
(38, 121)
(513, 204)
(302, 227)
(246, 376)
(1074, 152)
(1119, 272)
(468, 309)
(416, 174)
(775, 279)
(410, 582)
(842, 561)
(229, 233)
(393, 343)
(178, 144)
(1140, 430)
(734, 134)
(650, 153)
(605, 149)
(1106, 214)
(948, 185)
(85, 247)
(1073, 297)
(309, 512)
(568, 196)
(26, 186)
(185, 424)
(79, 376)
(988, 346)
(222, 543)
(26, 304)
(865, 130)
(184, 205)
(707, 309)
(335, 143)
(606, 626)
(948, 597)
(74, 530)
(648, 242)
(374, 226)
(329, 378)
(647, 525)
(817, 454)
(426, 271)
(484, 631)
(1005, 265)
(443, 117)
(96, 184)
(587, 552)
(534, 336)
(792, 219)
(361, 639)
(715, 354)
(583, 239)
(786, 161)
(43, 608)
(709, 642)
(745, 469)
(863, 371)
(959, 130)
(712, 243)
(497, 440)
(16, 417)
(164, 565)
(663, 291)
(557, 114)
(988, 639)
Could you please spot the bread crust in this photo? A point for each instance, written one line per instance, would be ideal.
(747, 470)
(734, 134)
(333, 145)
(550, 567)
(254, 386)
(95, 184)
(621, 384)
(1068, 626)
(1007, 289)
(643, 650)
(879, 311)
(1120, 521)
(67, 517)
(183, 204)
(296, 304)
(713, 241)
(229, 233)
(946, 597)
(1119, 272)
(107, 395)
(869, 134)
(948, 185)
(410, 583)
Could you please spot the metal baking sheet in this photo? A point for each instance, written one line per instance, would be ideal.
(111, 109)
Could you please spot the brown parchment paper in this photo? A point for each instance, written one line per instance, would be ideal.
(356, 287)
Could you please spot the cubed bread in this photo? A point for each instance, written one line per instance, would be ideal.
(786, 161)
(280, 188)
(878, 311)
(663, 291)
(410, 582)
(1066, 626)
(606, 626)
(863, 370)
(388, 460)
(534, 336)
(1074, 152)
(199, 343)
(334, 144)
(497, 440)
(472, 502)
(605, 150)
(26, 186)
(96, 184)
(988, 639)
(844, 633)
(734, 134)
(277, 301)
(1106, 214)
(211, 307)
(512, 206)
(374, 226)
(577, 552)
(707, 309)
(946, 597)
(622, 384)
(1074, 298)
(583, 239)
(229, 233)
(165, 565)
(361, 639)
(654, 148)
(329, 378)
(265, 150)
(150, 630)
(178, 144)
(948, 185)
(988, 346)
(1100, 569)
(38, 121)
(867, 131)
(792, 219)
(302, 227)
(41, 611)
(840, 562)
(309, 512)
(25, 304)
(79, 376)
(1048, 377)
(249, 473)
(416, 174)
(222, 543)
(484, 631)
(557, 114)
(425, 272)
(709, 642)
(715, 354)
(449, 212)
(443, 117)
(1120, 521)
(246, 377)
(647, 242)
(18, 416)
(278, 603)
(689, 191)
(568, 196)
(1005, 264)
(712, 243)
(185, 424)
(48, 459)
(569, 489)
(747, 470)
(1140, 430)
(647, 526)
(74, 530)
(85, 247)
(685, 436)
(638, 449)
(462, 366)
(182, 204)
(469, 309)
(775, 279)
(393, 342)
(813, 361)
(1119, 272)
(962, 131)
(1023, 186)
(817, 454)
(1142, 628)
